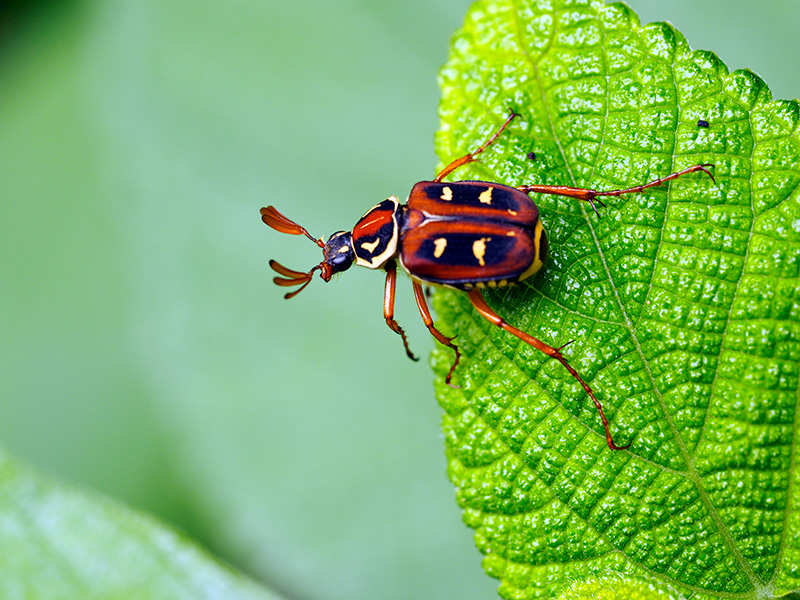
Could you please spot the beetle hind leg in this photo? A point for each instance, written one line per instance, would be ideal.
(480, 305)
(419, 294)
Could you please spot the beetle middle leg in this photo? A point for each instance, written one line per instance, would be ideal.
(388, 306)
(480, 305)
(419, 294)
(468, 158)
(591, 196)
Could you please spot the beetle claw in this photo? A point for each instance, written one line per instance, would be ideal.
(594, 201)
(560, 348)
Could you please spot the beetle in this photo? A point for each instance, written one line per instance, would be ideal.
(467, 235)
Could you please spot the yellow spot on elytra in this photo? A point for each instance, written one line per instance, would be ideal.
(447, 193)
(440, 244)
(486, 196)
(513, 213)
(479, 250)
(512, 234)
(370, 246)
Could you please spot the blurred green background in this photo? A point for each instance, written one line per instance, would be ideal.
(144, 351)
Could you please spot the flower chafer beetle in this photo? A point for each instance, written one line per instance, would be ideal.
(467, 235)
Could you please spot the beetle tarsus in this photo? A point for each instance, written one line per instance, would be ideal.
(660, 181)
(470, 157)
(453, 368)
(399, 330)
(395, 326)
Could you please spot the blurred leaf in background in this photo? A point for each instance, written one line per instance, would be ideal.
(62, 543)
(144, 351)
(148, 353)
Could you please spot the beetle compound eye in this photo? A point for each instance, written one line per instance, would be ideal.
(341, 262)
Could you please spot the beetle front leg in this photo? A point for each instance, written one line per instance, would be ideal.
(388, 306)
(480, 305)
(419, 294)
(471, 156)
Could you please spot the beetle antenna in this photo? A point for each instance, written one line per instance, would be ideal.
(278, 222)
(291, 278)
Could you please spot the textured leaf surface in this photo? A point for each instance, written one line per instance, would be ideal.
(683, 304)
(60, 543)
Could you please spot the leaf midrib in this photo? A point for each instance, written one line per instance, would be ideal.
(691, 472)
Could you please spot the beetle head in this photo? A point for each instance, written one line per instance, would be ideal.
(337, 253)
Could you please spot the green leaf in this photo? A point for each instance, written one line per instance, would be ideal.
(683, 304)
(60, 543)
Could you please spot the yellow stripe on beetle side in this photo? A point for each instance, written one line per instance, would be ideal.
(537, 244)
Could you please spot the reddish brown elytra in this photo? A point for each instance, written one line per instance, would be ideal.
(467, 235)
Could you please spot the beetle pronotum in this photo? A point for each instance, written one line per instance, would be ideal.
(467, 235)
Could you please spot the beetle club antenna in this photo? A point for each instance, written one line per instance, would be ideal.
(291, 278)
(272, 217)
(278, 222)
